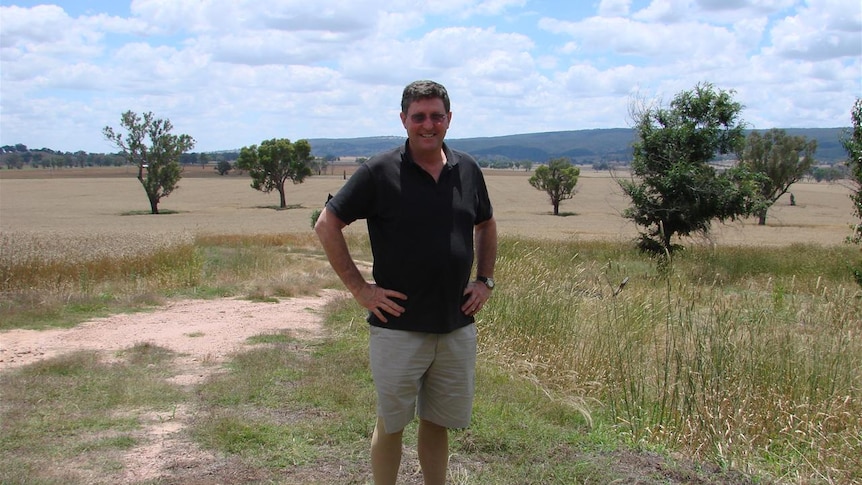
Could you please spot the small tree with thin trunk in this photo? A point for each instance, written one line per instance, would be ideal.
(275, 162)
(781, 160)
(223, 167)
(150, 146)
(558, 179)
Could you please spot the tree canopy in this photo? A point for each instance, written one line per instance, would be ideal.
(853, 144)
(274, 162)
(223, 167)
(558, 179)
(674, 190)
(780, 160)
(150, 145)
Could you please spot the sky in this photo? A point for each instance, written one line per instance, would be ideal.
(232, 73)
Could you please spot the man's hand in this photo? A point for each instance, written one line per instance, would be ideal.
(478, 293)
(379, 300)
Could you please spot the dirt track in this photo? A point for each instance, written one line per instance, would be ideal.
(202, 332)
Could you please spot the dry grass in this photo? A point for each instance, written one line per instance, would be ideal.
(740, 356)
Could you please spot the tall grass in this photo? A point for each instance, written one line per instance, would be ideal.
(748, 357)
(56, 280)
(745, 356)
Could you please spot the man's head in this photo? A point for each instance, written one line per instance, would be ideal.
(418, 90)
(425, 115)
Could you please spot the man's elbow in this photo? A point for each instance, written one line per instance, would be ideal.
(327, 224)
(321, 227)
(487, 225)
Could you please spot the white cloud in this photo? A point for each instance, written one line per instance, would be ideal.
(496, 7)
(614, 8)
(823, 30)
(659, 44)
(43, 32)
(235, 72)
(664, 11)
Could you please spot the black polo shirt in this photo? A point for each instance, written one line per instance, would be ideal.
(421, 232)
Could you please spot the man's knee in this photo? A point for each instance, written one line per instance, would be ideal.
(431, 425)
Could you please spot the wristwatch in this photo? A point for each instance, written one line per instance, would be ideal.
(489, 282)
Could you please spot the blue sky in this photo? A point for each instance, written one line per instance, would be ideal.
(232, 73)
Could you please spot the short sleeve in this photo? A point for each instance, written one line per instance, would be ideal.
(355, 200)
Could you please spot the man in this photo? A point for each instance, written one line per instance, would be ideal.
(429, 216)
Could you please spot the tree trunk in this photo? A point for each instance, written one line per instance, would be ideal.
(153, 198)
(281, 195)
(556, 208)
(665, 239)
(154, 204)
(761, 218)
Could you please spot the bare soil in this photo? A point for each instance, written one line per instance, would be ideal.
(204, 333)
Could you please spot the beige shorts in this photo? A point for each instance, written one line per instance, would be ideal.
(425, 373)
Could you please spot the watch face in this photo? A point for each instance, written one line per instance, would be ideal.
(489, 282)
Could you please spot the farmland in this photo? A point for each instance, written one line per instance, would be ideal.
(111, 201)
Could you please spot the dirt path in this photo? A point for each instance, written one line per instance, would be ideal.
(203, 332)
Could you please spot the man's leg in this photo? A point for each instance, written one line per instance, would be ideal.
(433, 448)
(385, 454)
(446, 400)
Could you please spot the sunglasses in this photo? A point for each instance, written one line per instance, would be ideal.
(436, 118)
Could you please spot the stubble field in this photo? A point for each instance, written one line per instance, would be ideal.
(91, 202)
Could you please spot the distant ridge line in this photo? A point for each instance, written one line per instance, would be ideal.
(582, 146)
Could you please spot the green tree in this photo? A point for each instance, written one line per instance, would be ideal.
(150, 145)
(853, 145)
(81, 158)
(558, 179)
(13, 160)
(274, 162)
(673, 189)
(781, 160)
(829, 174)
(223, 167)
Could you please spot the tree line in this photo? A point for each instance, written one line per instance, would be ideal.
(19, 156)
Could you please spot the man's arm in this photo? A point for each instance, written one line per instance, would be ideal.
(486, 247)
(330, 231)
(485, 240)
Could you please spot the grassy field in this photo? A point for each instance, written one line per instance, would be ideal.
(739, 364)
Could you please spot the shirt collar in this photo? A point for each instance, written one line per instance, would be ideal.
(451, 158)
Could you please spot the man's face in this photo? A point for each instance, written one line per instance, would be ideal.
(426, 122)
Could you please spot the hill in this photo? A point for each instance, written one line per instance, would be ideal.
(581, 146)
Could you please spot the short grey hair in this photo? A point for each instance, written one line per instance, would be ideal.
(424, 89)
